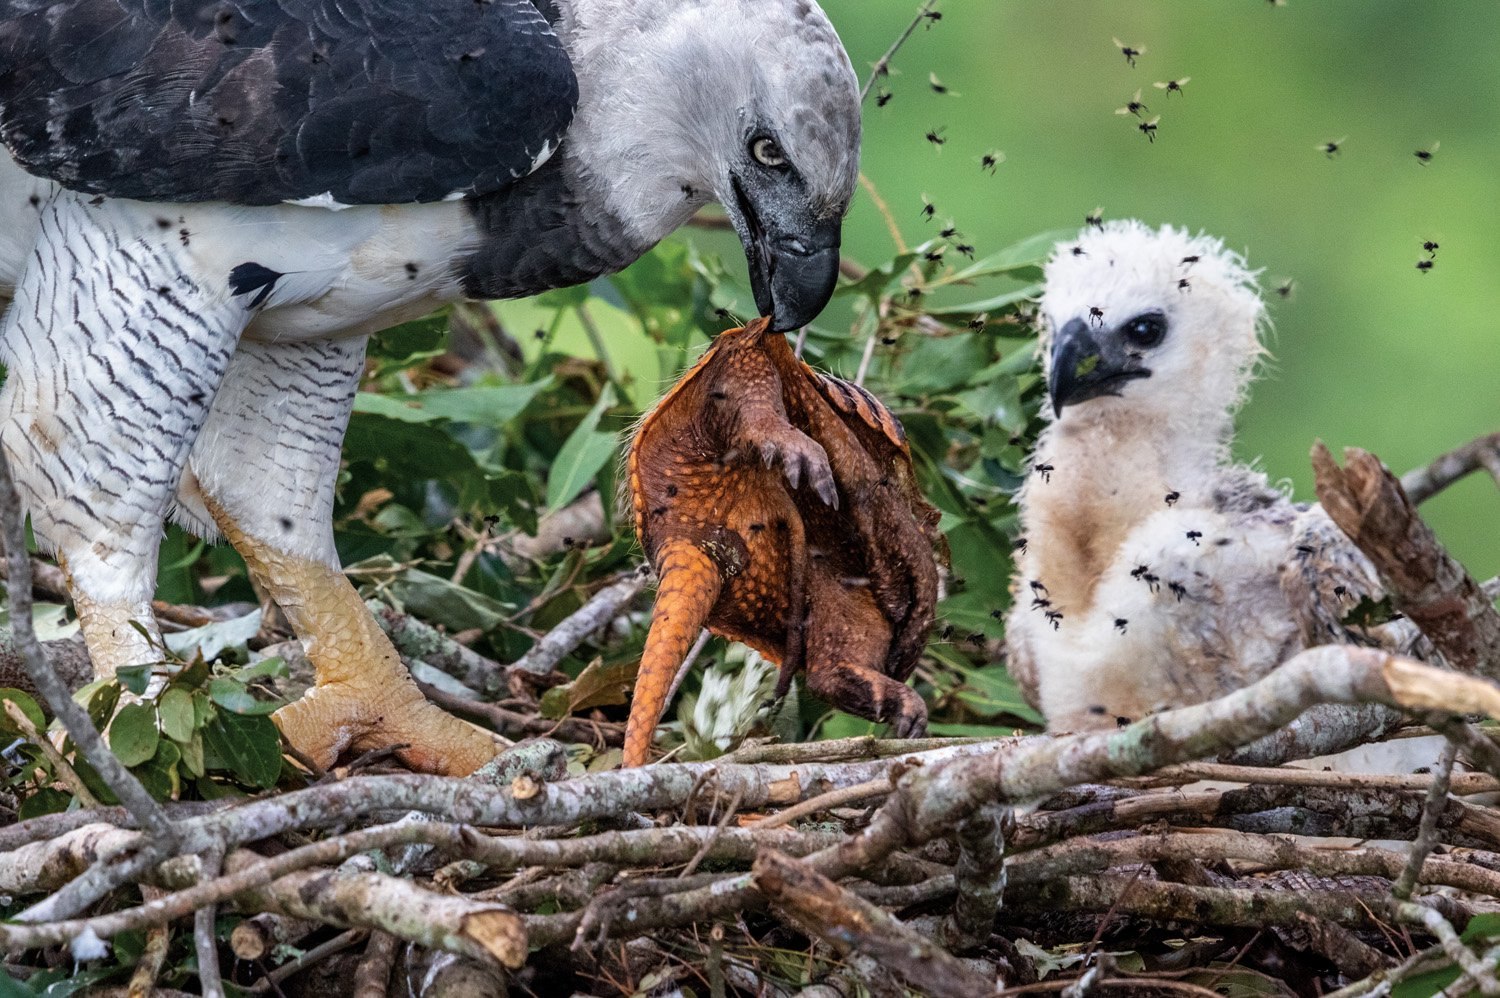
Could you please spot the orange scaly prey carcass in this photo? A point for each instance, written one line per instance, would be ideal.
(779, 508)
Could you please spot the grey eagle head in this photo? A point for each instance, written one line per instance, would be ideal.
(751, 103)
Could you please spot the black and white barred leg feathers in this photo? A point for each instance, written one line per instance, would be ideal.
(120, 344)
(114, 352)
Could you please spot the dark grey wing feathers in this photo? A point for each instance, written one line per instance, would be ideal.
(264, 101)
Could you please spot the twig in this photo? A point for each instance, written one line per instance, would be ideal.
(250, 873)
(60, 766)
(57, 696)
(823, 802)
(1427, 831)
(1462, 784)
(688, 661)
(372, 978)
(1421, 484)
(1425, 582)
(883, 64)
(205, 942)
(604, 606)
(153, 955)
(306, 959)
(1215, 906)
(714, 836)
(937, 797)
(420, 640)
(1084, 856)
(847, 749)
(255, 937)
(514, 724)
(979, 876)
(826, 911)
(1447, 937)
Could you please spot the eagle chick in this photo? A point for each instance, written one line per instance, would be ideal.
(1168, 574)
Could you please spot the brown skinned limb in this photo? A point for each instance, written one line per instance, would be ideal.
(795, 658)
(850, 633)
(751, 418)
(879, 500)
(686, 594)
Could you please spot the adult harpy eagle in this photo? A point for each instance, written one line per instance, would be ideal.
(1156, 572)
(191, 295)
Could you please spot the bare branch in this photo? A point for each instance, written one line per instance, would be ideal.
(1425, 582)
(1427, 831)
(883, 65)
(1421, 484)
(568, 634)
(822, 909)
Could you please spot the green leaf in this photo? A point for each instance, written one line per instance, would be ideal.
(404, 451)
(447, 604)
(208, 641)
(267, 668)
(134, 678)
(940, 364)
(409, 343)
(48, 800)
(1426, 985)
(133, 735)
(159, 774)
(99, 700)
(247, 746)
(995, 303)
(581, 455)
(28, 707)
(176, 710)
(232, 696)
(1482, 927)
(12, 988)
(1030, 252)
(998, 401)
(486, 405)
(874, 283)
(192, 755)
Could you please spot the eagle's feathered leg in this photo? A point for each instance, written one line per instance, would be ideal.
(114, 349)
(263, 471)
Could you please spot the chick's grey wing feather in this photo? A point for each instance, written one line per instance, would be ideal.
(262, 101)
(1325, 577)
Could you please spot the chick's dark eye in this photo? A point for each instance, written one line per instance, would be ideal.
(767, 152)
(1146, 330)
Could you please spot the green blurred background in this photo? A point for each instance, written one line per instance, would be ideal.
(1368, 351)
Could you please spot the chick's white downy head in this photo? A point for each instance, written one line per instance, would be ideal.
(1143, 324)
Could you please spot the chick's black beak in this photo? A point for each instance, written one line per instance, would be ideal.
(793, 258)
(1089, 363)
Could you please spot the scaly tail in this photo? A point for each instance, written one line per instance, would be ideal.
(687, 592)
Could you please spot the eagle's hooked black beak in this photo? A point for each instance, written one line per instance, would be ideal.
(793, 258)
(1088, 363)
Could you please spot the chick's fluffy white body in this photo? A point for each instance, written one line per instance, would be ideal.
(1156, 572)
